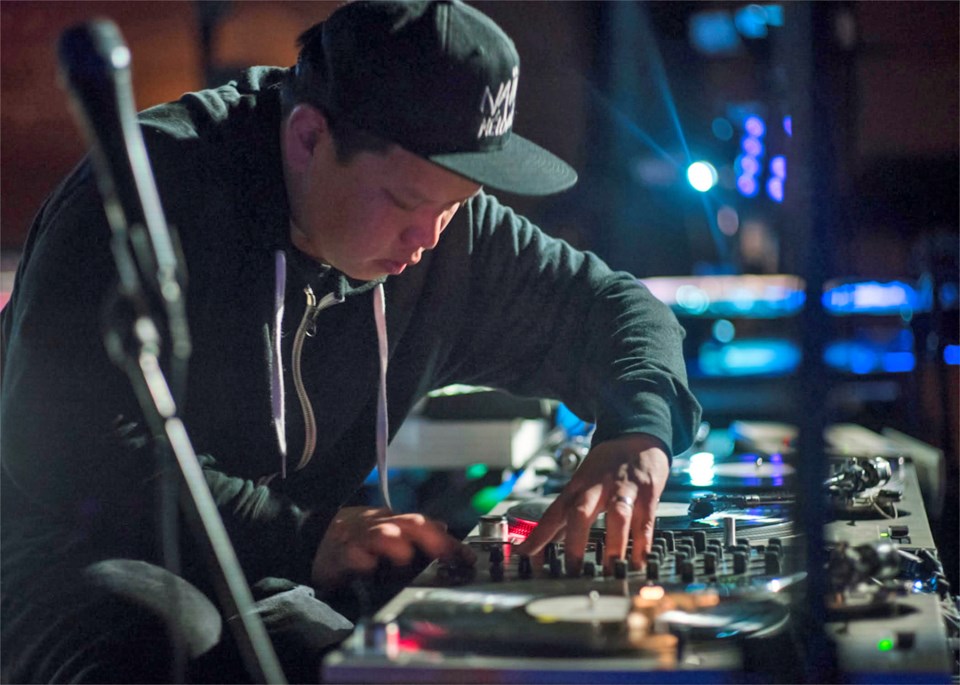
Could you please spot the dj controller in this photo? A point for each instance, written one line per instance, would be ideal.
(721, 597)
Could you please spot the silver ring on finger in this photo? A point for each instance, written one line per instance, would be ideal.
(623, 498)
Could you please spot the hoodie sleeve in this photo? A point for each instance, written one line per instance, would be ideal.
(548, 320)
(75, 448)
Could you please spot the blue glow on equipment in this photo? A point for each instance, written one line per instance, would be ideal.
(870, 297)
(897, 362)
(702, 176)
(951, 355)
(863, 357)
(757, 357)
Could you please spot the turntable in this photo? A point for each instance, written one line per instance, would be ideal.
(718, 599)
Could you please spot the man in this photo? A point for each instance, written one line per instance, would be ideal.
(310, 204)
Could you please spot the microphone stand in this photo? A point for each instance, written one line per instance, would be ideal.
(94, 63)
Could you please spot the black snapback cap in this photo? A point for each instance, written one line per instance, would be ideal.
(439, 78)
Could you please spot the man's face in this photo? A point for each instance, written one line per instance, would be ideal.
(377, 214)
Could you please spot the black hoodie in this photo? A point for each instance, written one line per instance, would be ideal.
(498, 303)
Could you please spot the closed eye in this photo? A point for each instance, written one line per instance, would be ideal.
(400, 203)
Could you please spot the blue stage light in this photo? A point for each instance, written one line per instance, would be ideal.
(702, 176)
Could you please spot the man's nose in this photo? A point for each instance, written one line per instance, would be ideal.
(424, 232)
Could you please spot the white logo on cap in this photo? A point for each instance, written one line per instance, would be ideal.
(498, 111)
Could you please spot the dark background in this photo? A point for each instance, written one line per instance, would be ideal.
(616, 88)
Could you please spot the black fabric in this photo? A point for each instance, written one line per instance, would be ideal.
(126, 621)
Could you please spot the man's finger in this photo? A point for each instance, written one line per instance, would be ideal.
(620, 509)
(580, 518)
(552, 523)
(644, 518)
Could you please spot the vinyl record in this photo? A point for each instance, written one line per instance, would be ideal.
(499, 623)
(516, 623)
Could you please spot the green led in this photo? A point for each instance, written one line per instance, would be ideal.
(486, 499)
(884, 535)
(475, 471)
(885, 645)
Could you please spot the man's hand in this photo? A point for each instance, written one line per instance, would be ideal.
(623, 477)
(359, 537)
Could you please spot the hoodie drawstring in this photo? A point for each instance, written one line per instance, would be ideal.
(383, 423)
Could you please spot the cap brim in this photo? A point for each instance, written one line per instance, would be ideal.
(520, 167)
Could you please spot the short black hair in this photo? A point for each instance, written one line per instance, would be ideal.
(305, 85)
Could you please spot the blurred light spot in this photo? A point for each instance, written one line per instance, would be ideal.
(778, 166)
(728, 221)
(775, 189)
(951, 355)
(475, 471)
(897, 362)
(751, 22)
(869, 297)
(774, 14)
(714, 33)
(722, 128)
(702, 176)
(754, 126)
(749, 164)
(692, 299)
(752, 146)
(701, 470)
(788, 125)
(724, 330)
(747, 185)
(654, 171)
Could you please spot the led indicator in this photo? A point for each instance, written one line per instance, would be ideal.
(885, 645)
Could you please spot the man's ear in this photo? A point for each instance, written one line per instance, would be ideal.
(305, 130)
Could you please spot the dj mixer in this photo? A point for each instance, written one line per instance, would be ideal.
(722, 597)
